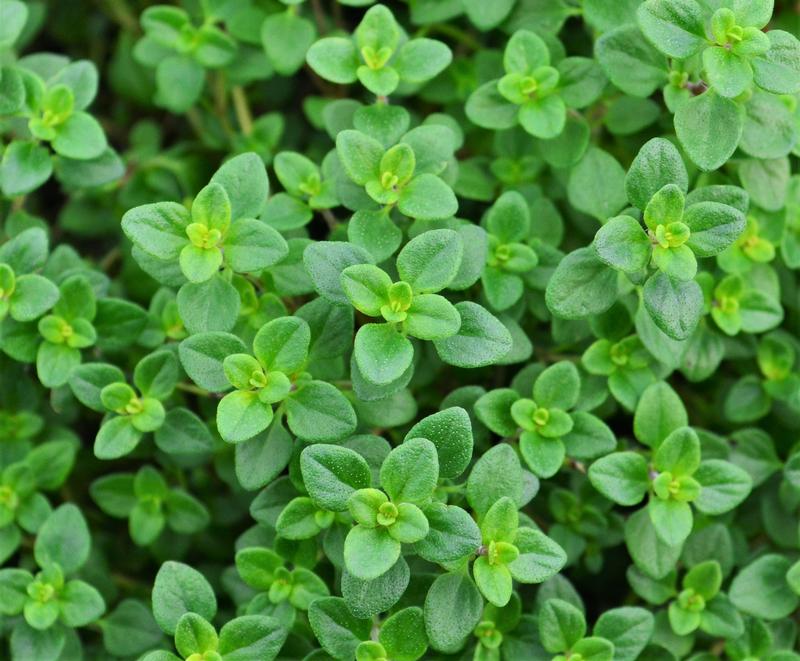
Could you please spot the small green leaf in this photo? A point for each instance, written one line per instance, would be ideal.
(332, 474)
(179, 589)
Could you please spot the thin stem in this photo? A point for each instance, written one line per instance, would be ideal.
(18, 203)
(195, 390)
(330, 219)
(319, 16)
(461, 36)
(122, 14)
(221, 103)
(110, 259)
(195, 122)
(242, 108)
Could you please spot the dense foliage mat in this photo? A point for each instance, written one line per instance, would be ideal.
(433, 329)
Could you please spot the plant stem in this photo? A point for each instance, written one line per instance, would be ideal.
(110, 259)
(461, 36)
(330, 219)
(195, 390)
(242, 108)
(122, 14)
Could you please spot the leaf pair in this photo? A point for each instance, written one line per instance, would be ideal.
(378, 55)
(533, 93)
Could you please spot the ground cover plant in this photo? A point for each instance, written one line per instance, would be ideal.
(430, 329)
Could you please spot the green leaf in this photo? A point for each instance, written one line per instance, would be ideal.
(33, 296)
(195, 635)
(81, 137)
(561, 625)
(244, 179)
(199, 265)
(631, 63)
(581, 81)
(581, 286)
(252, 638)
(326, 260)
(657, 164)
(241, 415)
(524, 52)
(117, 437)
(486, 17)
(15, 15)
(714, 227)
(494, 581)
(179, 80)
(597, 185)
(25, 167)
(403, 636)
(318, 411)
(496, 474)
(452, 535)
(558, 386)
(335, 59)
(382, 353)
(590, 437)
(675, 306)
(621, 477)
(158, 229)
(721, 618)
(157, 374)
(659, 412)
(427, 197)
(453, 607)
(46, 645)
(63, 539)
(410, 473)
(282, 344)
(759, 311)
(367, 598)
(628, 628)
(331, 474)
(672, 520)
(728, 73)
(80, 604)
(675, 27)
(419, 60)
(778, 70)
(760, 589)
(202, 357)
(375, 232)
(709, 127)
(705, 579)
(370, 552)
(450, 431)
(286, 38)
(487, 108)
(432, 317)
(366, 287)
(179, 589)
(130, 629)
(678, 453)
(481, 339)
(544, 118)
(252, 245)
(360, 155)
(337, 630)
(650, 553)
(623, 244)
(724, 486)
(539, 558)
(544, 456)
(261, 459)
